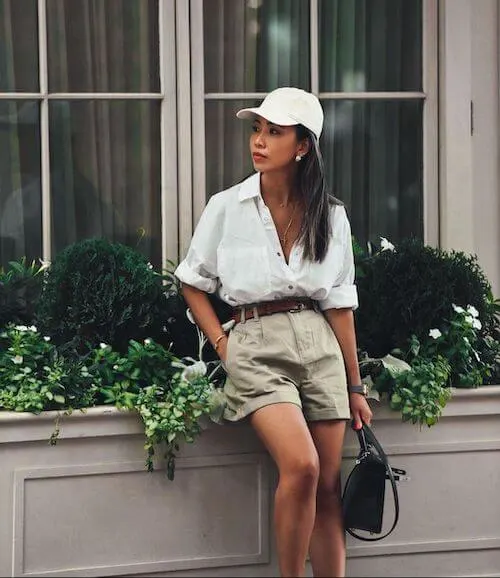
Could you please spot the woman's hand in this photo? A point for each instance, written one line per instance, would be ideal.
(360, 410)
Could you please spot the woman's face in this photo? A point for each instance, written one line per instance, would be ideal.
(274, 147)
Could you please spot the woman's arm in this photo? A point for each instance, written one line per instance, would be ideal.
(342, 323)
(205, 317)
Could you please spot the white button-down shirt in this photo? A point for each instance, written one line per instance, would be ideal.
(235, 250)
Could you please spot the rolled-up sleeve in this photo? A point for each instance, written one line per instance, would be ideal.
(199, 267)
(343, 293)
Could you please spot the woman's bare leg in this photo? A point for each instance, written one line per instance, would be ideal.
(327, 548)
(285, 434)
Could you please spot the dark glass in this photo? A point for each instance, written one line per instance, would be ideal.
(103, 46)
(226, 164)
(370, 45)
(18, 46)
(254, 45)
(373, 157)
(20, 182)
(105, 173)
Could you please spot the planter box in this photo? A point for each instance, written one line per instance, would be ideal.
(450, 509)
(87, 507)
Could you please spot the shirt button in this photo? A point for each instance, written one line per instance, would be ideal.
(279, 254)
(290, 286)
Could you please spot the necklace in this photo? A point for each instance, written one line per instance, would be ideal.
(283, 239)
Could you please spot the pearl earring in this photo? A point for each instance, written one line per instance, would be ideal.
(298, 158)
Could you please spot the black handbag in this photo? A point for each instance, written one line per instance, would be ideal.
(364, 491)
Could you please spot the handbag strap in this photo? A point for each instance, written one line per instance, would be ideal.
(366, 438)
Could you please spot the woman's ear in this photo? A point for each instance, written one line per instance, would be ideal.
(304, 147)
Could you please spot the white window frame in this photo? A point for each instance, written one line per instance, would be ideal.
(193, 190)
(167, 98)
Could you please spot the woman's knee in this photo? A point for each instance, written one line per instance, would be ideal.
(329, 491)
(302, 474)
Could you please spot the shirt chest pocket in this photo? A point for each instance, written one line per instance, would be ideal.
(244, 271)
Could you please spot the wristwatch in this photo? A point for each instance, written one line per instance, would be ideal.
(358, 388)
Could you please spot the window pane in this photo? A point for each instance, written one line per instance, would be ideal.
(255, 45)
(226, 164)
(373, 154)
(370, 45)
(20, 189)
(103, 45)
(105, 173)
(18, 46)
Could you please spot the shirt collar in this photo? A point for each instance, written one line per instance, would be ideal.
(250, 187)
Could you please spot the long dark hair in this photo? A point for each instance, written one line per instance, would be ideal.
(316, 228)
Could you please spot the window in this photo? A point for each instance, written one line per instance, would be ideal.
(86, 97)
(372, 64)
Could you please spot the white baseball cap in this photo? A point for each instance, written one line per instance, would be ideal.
(289, 106)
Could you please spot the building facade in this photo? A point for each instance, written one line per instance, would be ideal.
(117, 116)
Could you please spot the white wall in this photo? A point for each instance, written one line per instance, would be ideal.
(485, 146)
(469, 214)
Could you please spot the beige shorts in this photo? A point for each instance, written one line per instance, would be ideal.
(286, 357)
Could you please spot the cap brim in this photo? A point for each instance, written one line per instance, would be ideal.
(274, 117)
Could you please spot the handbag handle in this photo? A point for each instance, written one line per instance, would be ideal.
(366, 437)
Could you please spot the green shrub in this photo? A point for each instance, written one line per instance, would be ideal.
(34, 377)
(20, 287)
(170, 394)
(410, 290)
(98, 291)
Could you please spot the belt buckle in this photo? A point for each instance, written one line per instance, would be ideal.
(299, 307)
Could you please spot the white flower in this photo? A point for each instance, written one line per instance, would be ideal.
(386, 245)
(471, 310)
(190, 316)
(435, 333)
(46, 338)
(469, 319)
(18, 359)
(147, 341)
(32, 328)
(115, 367)
(150, 266)
(44, 264)
(191, 372)
(476, 324)
(21, 328)
(458, 309)
(102, 345)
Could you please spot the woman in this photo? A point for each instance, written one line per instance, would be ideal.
(277, 248)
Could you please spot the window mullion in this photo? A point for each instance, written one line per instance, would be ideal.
(314, 45)
(197, 91)
(184, 141)
(430, 122)
(44, 132)
(169, 183)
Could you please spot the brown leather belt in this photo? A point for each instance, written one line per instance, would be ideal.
(246, 312)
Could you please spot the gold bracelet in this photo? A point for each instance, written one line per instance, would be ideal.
(216, 344)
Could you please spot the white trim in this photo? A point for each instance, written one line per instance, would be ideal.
(198, 110)
(184, 150)
(44, 133)
(455, 150)
(104, 96)
(430, 122)
(324, 95)
(81, 95)
(313, 45)
(20, 95)
(168, 132)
